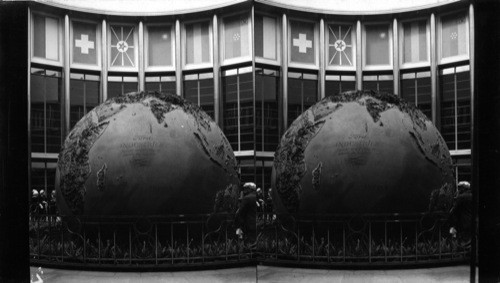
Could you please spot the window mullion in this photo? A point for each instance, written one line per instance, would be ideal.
(456, 107)
(416, 90)
(84, 96)
(45, 112)
(238, 109)
(198, 83)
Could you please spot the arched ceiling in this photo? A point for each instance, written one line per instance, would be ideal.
(176, 7)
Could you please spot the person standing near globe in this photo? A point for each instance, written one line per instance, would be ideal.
(246, 213)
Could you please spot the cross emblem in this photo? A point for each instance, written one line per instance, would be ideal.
(84, 43)
(453, 35)
(302, 43)
(236, 37)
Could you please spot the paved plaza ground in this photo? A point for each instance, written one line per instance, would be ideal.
(262, 274)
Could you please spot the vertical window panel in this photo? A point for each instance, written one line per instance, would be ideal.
(378, 44)
(46, 37)
(302, 42)
(46, 119)
(455, 107)
(160, 45)
(84, 96)
(267, 109)
(236, 37)
(341, 40)
(453, 36)
(302, 93)
(198, 48)
(415, 42)
(199, 90)
(122, 46)
(237, 94)
(266, 42)
(84, 43)
(416, 90)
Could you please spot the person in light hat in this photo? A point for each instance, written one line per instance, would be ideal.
(461, 212)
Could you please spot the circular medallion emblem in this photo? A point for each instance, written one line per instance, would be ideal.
(122, 46)
(340, 45)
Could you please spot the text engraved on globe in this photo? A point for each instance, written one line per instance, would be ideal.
(140, 150)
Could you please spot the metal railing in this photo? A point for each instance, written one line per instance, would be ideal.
(209, 241)
(130, 242)
(367, 241)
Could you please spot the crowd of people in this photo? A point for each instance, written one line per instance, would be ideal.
(41, 203)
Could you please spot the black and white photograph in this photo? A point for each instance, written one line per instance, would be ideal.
(250, 141)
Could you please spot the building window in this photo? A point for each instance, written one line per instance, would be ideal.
(302, 42)
(160, 46)
(266, 38)
(238, 105)
(118, 85)
(454, 37)
(455, 107)
(337, 83)
(414, 42)
(46, 40)
(236, 37)
(197, 38)
(248, 169)
(267, 89)
(377, 40)
(123, 51)
(84, 95)
(46, 108)
(199, 89)
(164, 83)
(85, 44)
(383, 83)
(341, 47)
(416, 90)
(302, 93)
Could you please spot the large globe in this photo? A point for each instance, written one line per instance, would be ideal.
(146, 154)
(362, 152)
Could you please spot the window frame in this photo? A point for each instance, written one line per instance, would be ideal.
(193, 66)
(222, 43)
(327, 45)
(162, 68)
(411, 65)
(60, 38)
(446, 70)
(439, 28)
(365, 66)
(279, 44)
(98, 46)
(111, 68)
(297, 65)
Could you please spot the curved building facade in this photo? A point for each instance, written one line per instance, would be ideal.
(252, 65)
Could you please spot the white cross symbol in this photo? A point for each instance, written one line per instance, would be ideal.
(84, 44)
(302, 43)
